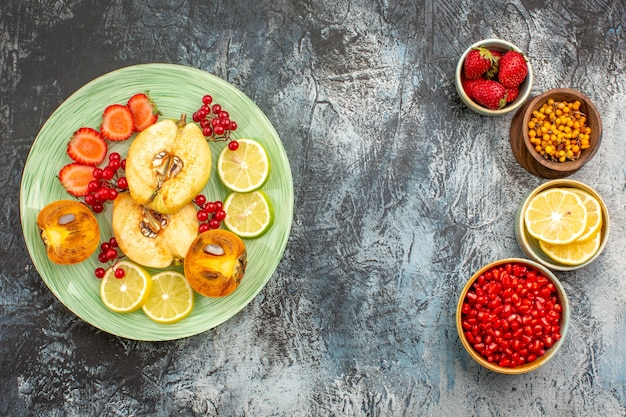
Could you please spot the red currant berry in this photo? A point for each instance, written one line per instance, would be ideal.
(219, 130)
(94, 185)
(111, 254)
(120, 273)
(233, 145)
(207, 132)
(123, 165)
(210, 207)
(105, 246)
(115, 164)
(90, 199)
(203, 227)
(99, 272)
(214, 224)
(122, 183)
(113, 242)
(233, 126)
(196, 117)
(115, 156)
(204, 123)
(217, 108)
(202, 215)
(108, 173)
(219, 205)
(207, 99)
(112, 194)
(219, 215)
(200, 200)
(223, 115)
(97, 173)
(102, 257)
(97, 208)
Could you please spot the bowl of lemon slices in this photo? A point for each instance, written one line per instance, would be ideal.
(562, 224)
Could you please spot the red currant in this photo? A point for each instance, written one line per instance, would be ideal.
(233, 145)
(202, 216)
(203, 227)
(122, 183)
(100, 272)
(207, 99)
(120, 273)
(200, 200)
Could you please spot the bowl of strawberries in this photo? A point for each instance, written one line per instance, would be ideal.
(493, 77)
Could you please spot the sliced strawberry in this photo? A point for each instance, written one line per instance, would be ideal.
(75, 178)
(117, 123)
(87, 146)
(145, 112)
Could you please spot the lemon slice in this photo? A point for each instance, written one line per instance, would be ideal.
(248, 215)
(171, 298)
(127, 294)
(556, 215)
(594, 214)
(575, 253)
(245, 169)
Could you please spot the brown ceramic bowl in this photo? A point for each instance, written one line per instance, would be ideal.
(563, 320)
(525, 152)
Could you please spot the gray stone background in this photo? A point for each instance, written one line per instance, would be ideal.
(401, 193)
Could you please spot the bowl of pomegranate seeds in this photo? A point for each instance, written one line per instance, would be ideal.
(493, 77)
(555, 133)
(512, 316)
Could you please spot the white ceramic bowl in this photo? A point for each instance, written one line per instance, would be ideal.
(530, 245)
(525, 87)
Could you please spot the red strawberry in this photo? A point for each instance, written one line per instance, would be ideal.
(145, 112)
(477, 62)
(468, 87)
(87, 146)
(75, 178)
(117, 123)
(513, 69)
(511, 94)
(489, 93)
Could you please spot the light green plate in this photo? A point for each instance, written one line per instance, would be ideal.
(175, 89)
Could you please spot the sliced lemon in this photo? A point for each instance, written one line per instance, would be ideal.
(575, 253)
(556, 215)
(594, 214)
(245, 169)
(127, 294)
(248, 215)
(171, 298)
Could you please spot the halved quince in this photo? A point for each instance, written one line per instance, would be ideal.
(69, 231)
(167, 165)
(215, 263)
(150, 238)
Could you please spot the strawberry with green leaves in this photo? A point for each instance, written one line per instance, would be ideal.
(478, 62)
(145, 112)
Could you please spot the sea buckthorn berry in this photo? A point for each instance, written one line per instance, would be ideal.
(564, 121)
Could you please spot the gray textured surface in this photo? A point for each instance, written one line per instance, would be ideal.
(401, 193)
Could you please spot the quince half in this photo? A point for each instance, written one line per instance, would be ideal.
(150, 238)
(167, 165)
